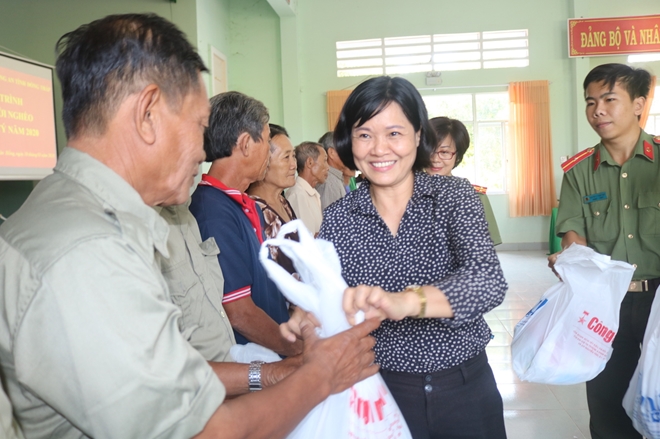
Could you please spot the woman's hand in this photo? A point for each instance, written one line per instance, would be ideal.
(376, 302)
(292, 330)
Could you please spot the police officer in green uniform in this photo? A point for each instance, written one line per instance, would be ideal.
(610, 201)
(453, 142)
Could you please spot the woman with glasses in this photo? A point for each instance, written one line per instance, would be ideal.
(454, 141)
(414, 250)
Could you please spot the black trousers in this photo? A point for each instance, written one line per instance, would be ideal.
(461, 402)
(605, 392)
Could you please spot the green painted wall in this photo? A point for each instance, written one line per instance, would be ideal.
(320, 23)
(267, 55)
(31, 29)
(212, 31)
(323, 23)
(255, 58)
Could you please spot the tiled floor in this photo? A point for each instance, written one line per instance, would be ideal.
(531, 411)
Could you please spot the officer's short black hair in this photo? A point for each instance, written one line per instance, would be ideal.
(101, 63)
(445, 126)
(637, 82)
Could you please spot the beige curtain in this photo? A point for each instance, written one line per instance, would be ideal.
(647, 107)
(531, 181)
(335, 102)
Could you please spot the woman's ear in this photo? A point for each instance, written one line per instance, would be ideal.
(418, 136)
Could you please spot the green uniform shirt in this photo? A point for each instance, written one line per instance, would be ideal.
(89, 340)
(493, 230)
(616, 208)
(195, 280)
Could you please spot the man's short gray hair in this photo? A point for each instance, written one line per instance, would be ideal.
(304, 151)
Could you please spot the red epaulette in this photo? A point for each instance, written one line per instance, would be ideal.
(648, 149)
(480, 189)
(577, 158)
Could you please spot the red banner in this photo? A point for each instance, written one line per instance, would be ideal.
(613, 36)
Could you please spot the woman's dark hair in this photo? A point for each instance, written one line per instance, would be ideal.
(445, 126)
(637, 82)
(369, 99)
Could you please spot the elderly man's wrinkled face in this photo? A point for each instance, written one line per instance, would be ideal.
(183, 146)
(320, 167)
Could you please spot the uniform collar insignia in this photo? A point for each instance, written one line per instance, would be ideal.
(648, 149)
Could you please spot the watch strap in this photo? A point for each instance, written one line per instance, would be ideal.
(254, 375)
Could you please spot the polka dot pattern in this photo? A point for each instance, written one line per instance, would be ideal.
(443, 241)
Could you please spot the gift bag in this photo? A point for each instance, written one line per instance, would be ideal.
(642, 400)
(567, 337)
(366, 410)
(246, 353)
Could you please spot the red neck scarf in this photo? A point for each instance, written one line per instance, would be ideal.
(248, 206)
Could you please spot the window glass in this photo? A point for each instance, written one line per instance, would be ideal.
(456, 106)
(485, 116)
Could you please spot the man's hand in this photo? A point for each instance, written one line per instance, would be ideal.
(569, 238)
(552, 259)
(258, 327)
(330, 365)
(343, 359)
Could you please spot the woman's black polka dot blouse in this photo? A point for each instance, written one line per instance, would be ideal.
(443, 241)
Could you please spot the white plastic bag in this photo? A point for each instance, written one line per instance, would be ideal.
(567, 337)
(365, 411)
(245, 353)
(642, 400)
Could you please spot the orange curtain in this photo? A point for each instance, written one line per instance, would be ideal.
(647, 107)
(335, 102)
(531, 180)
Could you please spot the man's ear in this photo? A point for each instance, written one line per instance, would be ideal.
(243, 143)
(309, 163)
(148, 113)
(638, 105)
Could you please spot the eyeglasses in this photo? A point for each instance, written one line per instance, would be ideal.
(443, 154)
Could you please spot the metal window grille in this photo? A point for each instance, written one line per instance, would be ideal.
(440, 52)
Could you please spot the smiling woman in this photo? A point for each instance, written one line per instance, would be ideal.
(415, 250)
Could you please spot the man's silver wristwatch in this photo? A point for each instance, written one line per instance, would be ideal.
(254, 375)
